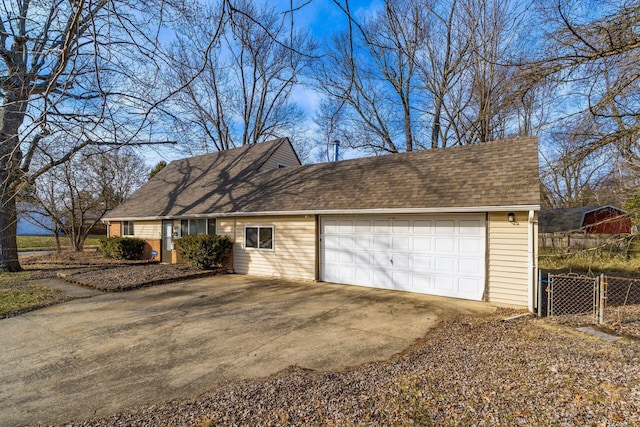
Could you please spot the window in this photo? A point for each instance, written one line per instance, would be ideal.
(258, 237)
(211, 226)
(126, 228)
(194, 227)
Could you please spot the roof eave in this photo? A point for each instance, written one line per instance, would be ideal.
(378, 211)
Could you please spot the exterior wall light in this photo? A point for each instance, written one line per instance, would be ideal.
(511, 217)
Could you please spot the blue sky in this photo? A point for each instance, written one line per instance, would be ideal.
(322, 18)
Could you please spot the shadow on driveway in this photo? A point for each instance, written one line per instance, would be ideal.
(101, 355)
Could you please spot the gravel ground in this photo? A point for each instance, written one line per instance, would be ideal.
(468, 371)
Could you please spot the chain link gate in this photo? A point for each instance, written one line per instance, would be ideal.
(573, 294)
(608, 299)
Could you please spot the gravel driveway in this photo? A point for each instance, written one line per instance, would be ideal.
(470, 371)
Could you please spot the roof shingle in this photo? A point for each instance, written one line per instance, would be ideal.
(500, 173)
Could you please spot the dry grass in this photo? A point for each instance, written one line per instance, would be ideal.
(590, 262)
(18, 294)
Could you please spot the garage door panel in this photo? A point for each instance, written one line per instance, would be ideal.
(434, 254)
(423, 244)
(447, 227)
(345, 226)
(422, 227)
(401, 243)
(331, 257)
(444, 284)
(363, 275)
(381, 226)
(445, 265)
(469, 287)
(381, 243)
(402, 281)
(381, 260)
(401, 227)
(331, 242)
(401, 261)
(363, 227)
(423, 264)
(330, 226)
(468, 266)
(363, 243)
(422, 283)
(469, 245)
(381, 279)
(446, 246)
(347, 242)
(363, 259)
(346, 257)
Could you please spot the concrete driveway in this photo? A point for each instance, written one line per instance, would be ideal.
(104, 354)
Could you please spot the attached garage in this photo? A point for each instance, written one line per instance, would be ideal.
(458, 222)
(431, 254)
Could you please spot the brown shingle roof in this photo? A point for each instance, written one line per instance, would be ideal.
(500, 173)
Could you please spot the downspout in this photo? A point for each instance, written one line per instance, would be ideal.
(531, 260)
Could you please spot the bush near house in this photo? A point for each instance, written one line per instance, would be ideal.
(204, 251)
(129, 248)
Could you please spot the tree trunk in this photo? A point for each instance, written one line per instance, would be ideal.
(8, 228)
(12, 115)
(56, 233)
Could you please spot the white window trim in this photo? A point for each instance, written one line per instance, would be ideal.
(122, 228)
(273, 238)
(206, 224)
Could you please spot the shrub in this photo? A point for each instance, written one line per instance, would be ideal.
(129, 248)
(204, 251)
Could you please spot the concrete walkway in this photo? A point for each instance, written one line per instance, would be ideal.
(70, 289)
(100, 355)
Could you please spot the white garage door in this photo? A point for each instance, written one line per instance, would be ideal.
(439, 255)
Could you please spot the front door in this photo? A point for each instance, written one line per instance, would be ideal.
(167, 241)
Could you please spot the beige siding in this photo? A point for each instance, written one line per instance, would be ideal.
(508, 259)
(294, 246)
(284, 156)
(147, 229)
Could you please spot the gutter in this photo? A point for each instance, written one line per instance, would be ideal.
(531, 279)
(384, 211)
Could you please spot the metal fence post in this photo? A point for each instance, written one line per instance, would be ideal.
(603, 297)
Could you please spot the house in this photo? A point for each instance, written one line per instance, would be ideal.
(458, 222)
(585, 219)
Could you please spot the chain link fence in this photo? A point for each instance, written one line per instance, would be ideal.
(603, 299)
(623, 299)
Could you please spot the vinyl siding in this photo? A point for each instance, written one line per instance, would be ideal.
(147, 229)
(508, 259)
(294, 247)
(284, 155)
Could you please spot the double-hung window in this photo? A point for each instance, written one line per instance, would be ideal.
(126, 228)
(194, 227)
(258, 237)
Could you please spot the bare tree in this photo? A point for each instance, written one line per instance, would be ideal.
(429, 73)
(67, 68)
(76, 194)
(593, 51)
(369, 70)
(242, 94)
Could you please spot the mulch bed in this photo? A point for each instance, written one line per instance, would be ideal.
(127, 277)
(468, 371)
(92, 270)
